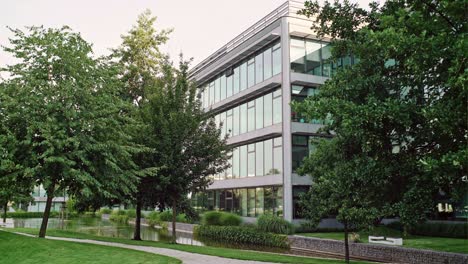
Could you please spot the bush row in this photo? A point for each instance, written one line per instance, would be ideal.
(158, 218)
(437, 229)
(216, 218)
(241, 235)
(274, 224)
(29, 214)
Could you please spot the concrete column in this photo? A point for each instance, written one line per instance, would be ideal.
(287, 140)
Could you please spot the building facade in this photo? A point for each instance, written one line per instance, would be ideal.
(248, 85)
(40, 198)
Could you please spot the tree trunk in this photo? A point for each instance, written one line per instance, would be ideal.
(136, 235)
(174, 219)
(5, 209)
(346, 242)
(45, 217)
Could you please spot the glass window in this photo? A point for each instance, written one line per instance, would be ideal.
(243, 161)
(277, 112)
(297, 55)
(217, 90)
(235, 121)
(251, 72)
(268, 155)
(243, 118)
(277, 156)
(326, 64)
(206, 94)
(251, 116)
(259, 113)
(236, 80)
(244, 201)
(313, 57)
(229, 122)
(235, 163)
(243, 76)
(299, 150)
(259, 68)
(212, 93)
(251, 202)
(259, 202)
(251, 164)
(276, 59)
(279, 200)
(223, 87)
(269, 201)
(229, 91)
(268, 110)
(229, 170)
(222, 123)
(267, 67)
(259, 159)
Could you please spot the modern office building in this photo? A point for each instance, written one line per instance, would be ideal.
(248, 84)
(40, 199)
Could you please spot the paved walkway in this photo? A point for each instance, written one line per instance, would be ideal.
(186, 257)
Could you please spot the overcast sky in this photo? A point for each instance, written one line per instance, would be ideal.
(200, 27)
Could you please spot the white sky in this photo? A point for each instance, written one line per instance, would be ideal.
(200, 27)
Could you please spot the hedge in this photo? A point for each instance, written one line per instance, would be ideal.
(30, 214)
(274, 224)
(216, 218)
(241, 235)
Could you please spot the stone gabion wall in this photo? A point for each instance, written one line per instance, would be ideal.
(380, 252)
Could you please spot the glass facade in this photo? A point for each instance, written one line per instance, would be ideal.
(255, 159)
(301, 148)
(313, 57)
(250, 202)
(258, 113)
(299, 94)
(253, 70)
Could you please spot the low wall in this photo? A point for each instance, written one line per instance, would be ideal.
(379, 252)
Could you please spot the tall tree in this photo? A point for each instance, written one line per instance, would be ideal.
(74, 115)
(399, 114)
(188, 144)
(140, 59)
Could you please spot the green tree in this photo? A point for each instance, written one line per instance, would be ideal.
(140, 59)
(187, 143)
(74, 115)
(399, 114)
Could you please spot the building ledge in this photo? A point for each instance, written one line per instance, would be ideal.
(267, 180)
(246, 95)
(307, 79)
(256, 135)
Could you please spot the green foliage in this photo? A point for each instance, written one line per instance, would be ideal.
(119, 216)
(22, 214)
(105, 211)
(166, 216)
(398, 115)
(153, 219)
(241, 235)
(274, 224)
(71, 107)
(131, 213)
(436, 229)
(217, 218)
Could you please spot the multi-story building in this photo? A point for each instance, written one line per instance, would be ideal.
(249, 84)
(40, 199)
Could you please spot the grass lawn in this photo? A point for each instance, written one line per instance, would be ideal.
(457, 245)
(213, 251)
(28, 250)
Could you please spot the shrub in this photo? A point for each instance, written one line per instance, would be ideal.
(241, 235)
(212, 218)
(131, 213)
(153, 219)
(228, 219)
(441, 229)
(216, 218)
(23, 214)
(274, 224)
(105, 211)
(166, 216)
(119, 216)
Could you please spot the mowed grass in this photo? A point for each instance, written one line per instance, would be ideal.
(20, 249)
(206, 250)
(456, 245)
